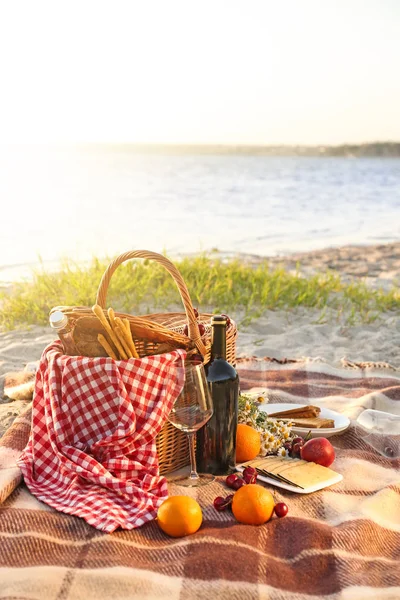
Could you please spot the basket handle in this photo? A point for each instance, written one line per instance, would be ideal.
(193, 328)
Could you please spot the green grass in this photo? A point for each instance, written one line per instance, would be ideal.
(225, 286)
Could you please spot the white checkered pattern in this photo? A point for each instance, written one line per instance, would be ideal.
(92, 450)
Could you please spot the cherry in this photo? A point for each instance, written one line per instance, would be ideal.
(196, 358)
(228, 321)
(221, 503)
(231, 479)
(202, 330)
(249, 470)
(296, 449)
(250, 475)
(298, 440)
(196, 312)
(281, 510)
(238, 483)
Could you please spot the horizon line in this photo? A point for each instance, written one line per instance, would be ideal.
(232, 144)
(204, 144)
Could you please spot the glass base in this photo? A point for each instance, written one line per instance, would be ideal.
(187, 481)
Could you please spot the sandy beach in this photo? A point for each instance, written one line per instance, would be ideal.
(279, 334)
(378, 265)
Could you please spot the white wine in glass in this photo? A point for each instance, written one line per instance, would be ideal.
(191, 410)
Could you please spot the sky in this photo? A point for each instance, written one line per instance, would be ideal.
(200, 71)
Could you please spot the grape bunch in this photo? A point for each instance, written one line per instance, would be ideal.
(293, 448)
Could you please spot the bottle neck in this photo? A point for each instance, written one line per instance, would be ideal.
(58, 321)
(218, 341)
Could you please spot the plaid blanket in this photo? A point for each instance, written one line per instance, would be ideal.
(342, 542)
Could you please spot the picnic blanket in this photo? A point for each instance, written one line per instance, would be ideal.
(341, 542)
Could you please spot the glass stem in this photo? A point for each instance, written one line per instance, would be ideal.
(193, 468)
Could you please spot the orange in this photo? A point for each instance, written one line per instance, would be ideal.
(253, 505)
(179, 516)
(248, 443)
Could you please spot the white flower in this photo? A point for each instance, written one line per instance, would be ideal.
(283, 452)
(273, 433)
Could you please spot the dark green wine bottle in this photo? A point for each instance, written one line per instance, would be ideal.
(216, 441)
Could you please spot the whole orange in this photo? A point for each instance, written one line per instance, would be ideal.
(253, 505)
(179, 516)
(248, 443)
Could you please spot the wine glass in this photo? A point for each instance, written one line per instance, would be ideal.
(191, 410)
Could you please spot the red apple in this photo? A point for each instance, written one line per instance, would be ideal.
(318, 450)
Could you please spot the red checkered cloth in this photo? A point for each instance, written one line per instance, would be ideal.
(92, 449)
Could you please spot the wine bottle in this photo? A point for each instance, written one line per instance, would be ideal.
(216, 441)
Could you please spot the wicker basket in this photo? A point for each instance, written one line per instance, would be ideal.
(172, 444)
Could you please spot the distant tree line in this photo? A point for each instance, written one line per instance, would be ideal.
(381, 149)
(373, 149)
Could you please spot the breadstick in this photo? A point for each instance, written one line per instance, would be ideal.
(111, 316)
(121, 333)
(114, 327)
(125, 324)
(106, 346)
(98, 311)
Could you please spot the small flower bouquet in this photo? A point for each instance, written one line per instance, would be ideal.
(274, 434)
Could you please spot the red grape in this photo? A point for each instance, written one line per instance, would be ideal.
(281, 509)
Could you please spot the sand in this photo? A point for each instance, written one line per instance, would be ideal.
(377, 265)
(279, 334)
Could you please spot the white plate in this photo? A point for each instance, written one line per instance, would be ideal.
(291, 488)
(341, 422)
